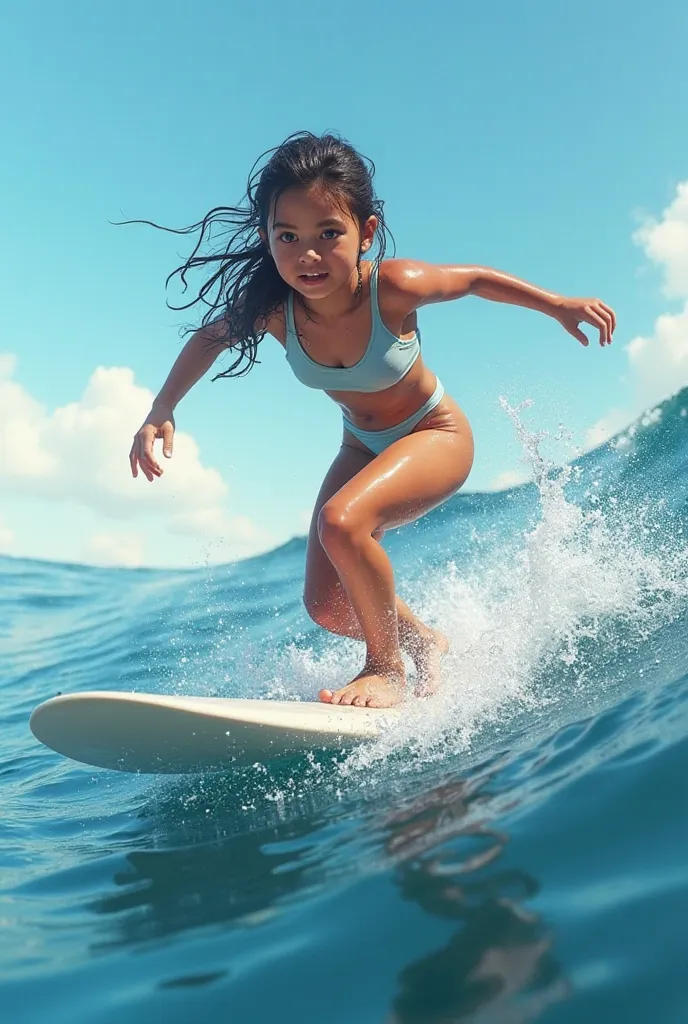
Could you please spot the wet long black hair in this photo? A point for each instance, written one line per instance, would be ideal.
(245, 287)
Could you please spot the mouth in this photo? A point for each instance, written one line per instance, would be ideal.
(310, 279)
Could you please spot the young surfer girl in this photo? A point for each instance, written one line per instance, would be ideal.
(294, 268)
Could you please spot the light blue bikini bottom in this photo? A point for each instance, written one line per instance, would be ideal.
(378, 440)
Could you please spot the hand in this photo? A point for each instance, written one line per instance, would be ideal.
(571, 312)
(158, 423)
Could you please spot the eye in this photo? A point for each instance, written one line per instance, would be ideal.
(330, 233)
(287, 236)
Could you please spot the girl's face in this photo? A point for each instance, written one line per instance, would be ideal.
(314, 242)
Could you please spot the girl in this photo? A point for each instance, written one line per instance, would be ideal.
(293, 269)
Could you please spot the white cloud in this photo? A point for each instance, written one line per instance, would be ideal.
(509, 478)
(79, 453)
(115, 548)
(658, 363)
(6, 538)
(666, 242)
(22, 453)
(608, 426)
(8, 362)
(304, 519)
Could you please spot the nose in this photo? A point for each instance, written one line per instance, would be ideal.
(309, 256)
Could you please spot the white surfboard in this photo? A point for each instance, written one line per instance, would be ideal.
(157, 733)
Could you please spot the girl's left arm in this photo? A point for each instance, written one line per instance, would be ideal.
(424, 283)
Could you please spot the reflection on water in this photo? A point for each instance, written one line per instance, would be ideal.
(173, 890)
(214, 873)
(497, 966)
(442, 849)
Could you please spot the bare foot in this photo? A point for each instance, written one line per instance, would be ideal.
(370, 689)
(427, 657)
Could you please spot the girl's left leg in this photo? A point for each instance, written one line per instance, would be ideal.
(412, 476)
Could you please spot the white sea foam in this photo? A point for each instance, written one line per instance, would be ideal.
(520, 617)
(534, 620)
(525, 614)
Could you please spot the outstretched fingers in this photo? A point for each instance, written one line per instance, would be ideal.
(590, 311)
(602, 317)
(141, 453)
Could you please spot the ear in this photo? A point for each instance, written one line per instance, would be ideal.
(264, 240)
(368, 233)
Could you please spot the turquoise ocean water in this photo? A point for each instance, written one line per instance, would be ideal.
(514, 850)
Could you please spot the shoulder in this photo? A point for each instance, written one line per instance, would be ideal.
(414, 283)
(216, 332)
(401, 275)
(411, 282)
(399, 286)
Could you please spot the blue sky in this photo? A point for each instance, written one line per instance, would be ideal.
(534, 138)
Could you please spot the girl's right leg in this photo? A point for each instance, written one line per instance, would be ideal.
(326, 600)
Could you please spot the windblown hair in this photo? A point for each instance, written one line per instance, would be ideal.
(245, 287)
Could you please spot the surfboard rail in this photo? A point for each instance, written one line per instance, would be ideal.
(166, 733)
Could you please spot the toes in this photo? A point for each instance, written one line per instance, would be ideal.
(362, 695)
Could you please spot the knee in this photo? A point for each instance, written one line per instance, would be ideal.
(339, 529)
(336, 527)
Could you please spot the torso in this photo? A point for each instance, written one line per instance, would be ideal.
(345, 345)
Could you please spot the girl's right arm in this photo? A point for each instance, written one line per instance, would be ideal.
(194, 360)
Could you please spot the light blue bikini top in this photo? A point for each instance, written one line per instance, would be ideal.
(385, 361)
